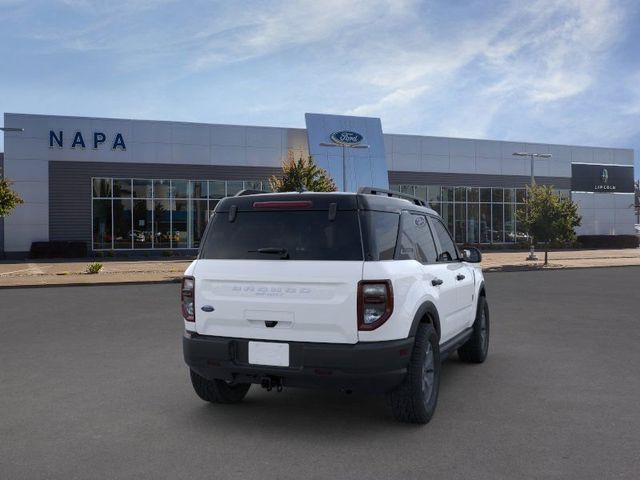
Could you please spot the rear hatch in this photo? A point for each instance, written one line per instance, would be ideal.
(281, 267)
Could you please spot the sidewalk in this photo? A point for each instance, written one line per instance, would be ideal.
(72, 272)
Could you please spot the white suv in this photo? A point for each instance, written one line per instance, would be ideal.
(363, 292)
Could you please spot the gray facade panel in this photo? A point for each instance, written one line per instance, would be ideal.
(474, 180)
(1, 218)
(70, 188)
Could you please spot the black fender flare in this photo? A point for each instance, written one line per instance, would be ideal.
(482, 292)
(426, 309)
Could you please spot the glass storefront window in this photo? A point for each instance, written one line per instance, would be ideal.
(460, 233)
(122, 231)
(434, 194)
(122, 187)
(497, 224)
(509, 195)
(199, 219)
(179, 224)
(179, 188)
(172, 214)
(102, 233)
(253, 185)
(161, 224)
(408, 189)
(217, 189)
(447, 194)
(142, 188)
(447, 215)
(473, 223)
(161, 188)
(509, 223)
(234, 187)
(420, 191)
(102, 187)
(199, 190)
(485, 223)
(142, 232)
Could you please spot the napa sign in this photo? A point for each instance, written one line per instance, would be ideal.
(57, 138)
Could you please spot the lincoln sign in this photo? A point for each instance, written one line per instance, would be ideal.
(601, 178)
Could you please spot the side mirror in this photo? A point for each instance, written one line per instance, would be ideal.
(471, 255)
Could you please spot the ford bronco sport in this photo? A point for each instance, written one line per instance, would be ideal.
(356, 291)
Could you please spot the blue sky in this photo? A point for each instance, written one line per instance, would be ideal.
(542, 71)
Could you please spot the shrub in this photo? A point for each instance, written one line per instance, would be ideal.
(93, 268)
(166, 253)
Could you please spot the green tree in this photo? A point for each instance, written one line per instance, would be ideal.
(302, 174)
(8, 198)
(549, 217)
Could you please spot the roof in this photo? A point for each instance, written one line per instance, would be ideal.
(322, 201)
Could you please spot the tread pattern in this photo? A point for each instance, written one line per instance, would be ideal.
(407, 401)
(473, 351)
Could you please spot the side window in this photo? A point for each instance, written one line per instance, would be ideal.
(382, 229)
(448, 251)
(416, 242)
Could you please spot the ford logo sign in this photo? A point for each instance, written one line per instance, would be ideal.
(346, 137)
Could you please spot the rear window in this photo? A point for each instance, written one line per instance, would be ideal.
(284, 234)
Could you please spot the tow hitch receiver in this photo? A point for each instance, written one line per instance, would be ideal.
(269, 383)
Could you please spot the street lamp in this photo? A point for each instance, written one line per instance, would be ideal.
(532, 253)
(11, 129)
(344, 161)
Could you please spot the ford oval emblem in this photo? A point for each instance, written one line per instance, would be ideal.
(346, 137)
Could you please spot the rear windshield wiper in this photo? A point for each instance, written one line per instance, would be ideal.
(284, 254)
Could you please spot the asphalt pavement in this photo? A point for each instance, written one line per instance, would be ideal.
(92, 385)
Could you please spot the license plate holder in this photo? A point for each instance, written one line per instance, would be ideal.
(269, 353)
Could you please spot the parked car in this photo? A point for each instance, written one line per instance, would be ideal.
(359, 292)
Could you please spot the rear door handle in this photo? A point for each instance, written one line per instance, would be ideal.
(436, 281)
(460, 277)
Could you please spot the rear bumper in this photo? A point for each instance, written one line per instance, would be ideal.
(370, 367)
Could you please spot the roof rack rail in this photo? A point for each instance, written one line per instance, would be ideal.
(391, 193)
(248, 191)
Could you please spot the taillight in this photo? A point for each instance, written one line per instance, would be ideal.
(187, 295)
(375, 303)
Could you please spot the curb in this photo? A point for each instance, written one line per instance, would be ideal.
(502, 269)
(95, 284)
(525, 268)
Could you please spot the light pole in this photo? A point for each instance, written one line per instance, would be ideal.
(532, 253)
(11, 129)
(344, 158)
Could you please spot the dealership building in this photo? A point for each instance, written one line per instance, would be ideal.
(130, 185)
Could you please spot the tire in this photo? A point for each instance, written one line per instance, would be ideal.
(475, 350)
(218, 391)
(415, 400)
